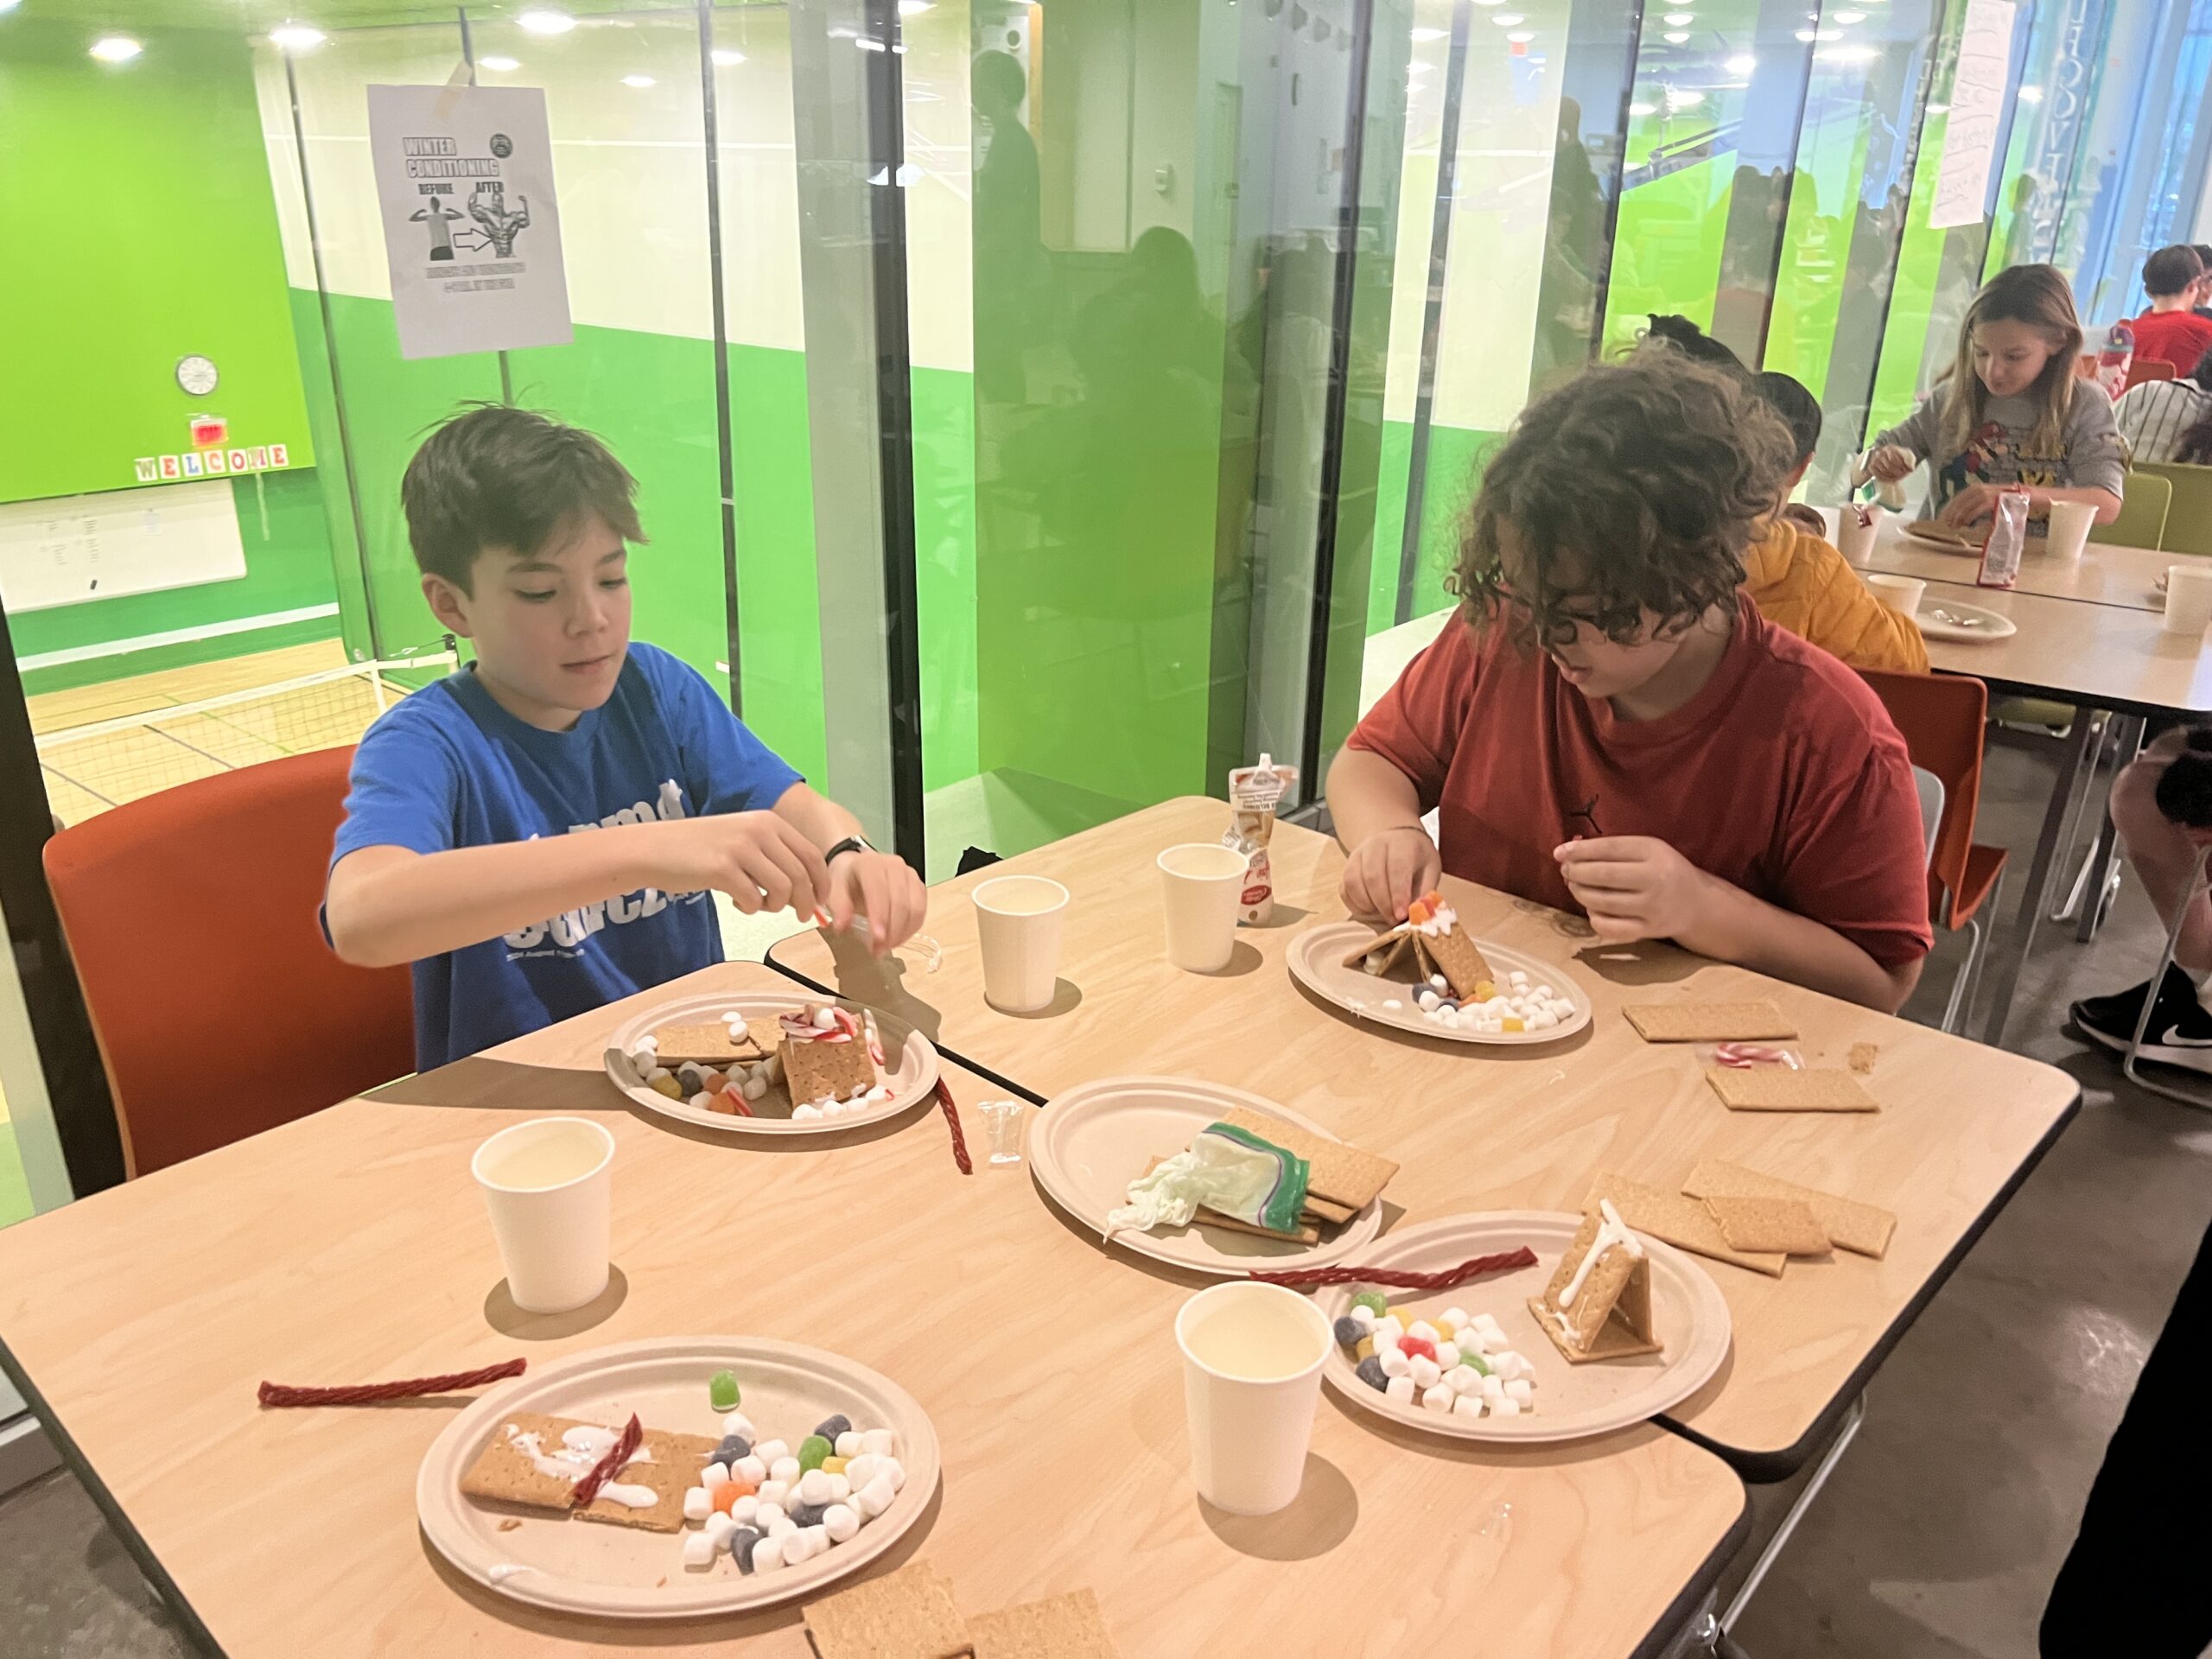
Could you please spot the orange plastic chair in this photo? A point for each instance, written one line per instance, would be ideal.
(1940, 717)
(220, 1010)
(2147, 368)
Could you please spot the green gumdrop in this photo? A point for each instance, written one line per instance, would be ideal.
(1373, 1300)
(1475, 1360)
(721, 1391)
(812, 1452)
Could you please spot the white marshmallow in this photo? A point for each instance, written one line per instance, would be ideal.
(769, 1450)
(1395, 1363)
(1493, 1388)
(1464, 1379)
(1447, 1354)
(752, 1088)
(1451, 1319)
(750, 1469)
(894, 1469)
(1511, 1367)
(782, 1527)
(785, 1469)
(699, 1551)
(1424, 1329)
(1427, 1002)
(1400, 1388)
(1363, 1316)
(698, 1503)
(768, 1512)
(1437, 1397)
(1488, 1341)
(1517, 980)
(1542, 1020)
(737, 1422)
(1426, 1371)
(768, 1555)
(798, 1546)
(805, 1114)
(875, 1498)
(714, 1475)
(817, 1539)
(858, 1470)
(698, 1102)
(825, 1018)
(849, 1444)
(743, 1511)
(1388, 1330)
(650, 1040)
(1505, 1405)
(1518, 1390)
(840, 1488)
(879, 1442)
(1439, 981)
(1544, 992)
(814, 1487)
(839, 1522)
(720, 1526)
(772, 1491)
(1467, 1405)
(1392, 1004)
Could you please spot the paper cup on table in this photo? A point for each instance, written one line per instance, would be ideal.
(1201, 884)
(1900, 593)
(1832, 521)
(1252, 1358)
(2189, 596)
(548, 1183)
(1854, 536)
(2070, 522)
(1017, 918)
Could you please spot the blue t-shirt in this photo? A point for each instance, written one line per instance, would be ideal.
(449, 767)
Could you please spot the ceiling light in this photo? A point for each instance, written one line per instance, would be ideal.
(1742, 64)
(1677, 37)
(1422, 36)
(1851, 17)
(1679, 97)
(1809, 35)
(1508, 19)
(547, 22)
(296, 37)
(1416, 68)
(1679, 19)
(639, 82)
(500, 63)
(1521, 36)
(1851, 54)
(915, 8)
(115, 48)
(727, 57)
(1643, 109)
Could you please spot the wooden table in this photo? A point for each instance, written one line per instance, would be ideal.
(350, 1246)
(2106, 573)
(1479, 1128)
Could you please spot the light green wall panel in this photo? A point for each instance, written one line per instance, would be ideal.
(1455, 457)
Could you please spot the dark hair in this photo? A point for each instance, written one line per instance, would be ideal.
(2194, 447)
(2204, 253)
(509, 478)
(1648, 480)
(1796, 406)
(2170, 270)
(2184, 791)
(1692, 341)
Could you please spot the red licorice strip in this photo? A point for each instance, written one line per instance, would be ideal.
(279, 1394)
(605, 1469)
(952, 1116)
(1301, 1278)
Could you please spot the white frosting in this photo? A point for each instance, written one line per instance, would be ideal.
(630, 1496)
(1611, 1231)
(580, 1449)
(1442, 921)
(502, 1570)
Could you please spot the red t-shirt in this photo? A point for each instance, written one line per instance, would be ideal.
(1783, 775)
(2180, 338)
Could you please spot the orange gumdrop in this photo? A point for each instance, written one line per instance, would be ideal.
(727, 1493)
(1418, 912)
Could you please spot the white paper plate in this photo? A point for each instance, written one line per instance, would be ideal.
(583, 1567)
(1090, 1143)
(1987, 624)
(1571, 1402)
(1316, 961)
(910, 1064)
(1941, 543)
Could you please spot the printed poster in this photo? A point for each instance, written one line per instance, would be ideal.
(1977, 115)
(472, 231)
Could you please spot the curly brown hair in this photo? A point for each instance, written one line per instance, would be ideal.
(1646, 482)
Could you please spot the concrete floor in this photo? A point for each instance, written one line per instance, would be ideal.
(1944, 1523)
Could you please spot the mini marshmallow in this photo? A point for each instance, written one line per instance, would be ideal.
(1427, 1002)
(1451, 1319)
(769, 1450)
(1437, 1398)
(720, 1526)
(698, 1503)
(875, 1498)
(1488, 1322)
(772, 1491)
(879, 1442)
(1487, 1342)
(657, 1073)
(752, 1088)
(1544, 992)
(785, 1469)
(768, 1512)
(738, 1423)
(1439, 981)
(1392, 1004)
(849, 1444)
(1493, 1388)
(699, 1101)
(699, 1551)
(840, 1488)
(1505, 1405)
(750, 1469)
(1511, 1367)
(799, 1548)
(782, 1527)
(1426, 1371)
(650, 1040)
(1363, 1316)
(894, 1469)
(1388, 1330)
(1424, 1329)
(859, 1470)
(1447, 1354)
(1400, 1388)
(1517, 980)
(1518, 1390)
(714, 1475)
(1395, 1363)
(839, 1522)
(1467, 1405)
(1464, 1379)
(817, 1539)
(744, 1511)
(1542, 1020)
(814, 1487)
(825, 1018)
(768, 1554)
(805, 1114)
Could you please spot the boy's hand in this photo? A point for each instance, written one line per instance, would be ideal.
(883, 887)
(761, 862)
(1633, 886)
(1891, 461)
(1387, 871)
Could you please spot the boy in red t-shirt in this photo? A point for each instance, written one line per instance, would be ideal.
(2170, 331)
(1607, 726)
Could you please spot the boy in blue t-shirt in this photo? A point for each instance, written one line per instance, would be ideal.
(540, 835)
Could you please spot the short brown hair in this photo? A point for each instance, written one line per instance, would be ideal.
(1651, 478)
(2170, 270)
(511, 478)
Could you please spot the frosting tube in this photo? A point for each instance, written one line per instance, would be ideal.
(1228, 1169)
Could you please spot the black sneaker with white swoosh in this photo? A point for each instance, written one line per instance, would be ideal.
(2180, 1032)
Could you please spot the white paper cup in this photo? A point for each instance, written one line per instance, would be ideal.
(1832, 517)
(1017, 918)
(1201, 882)
(548, 1183)
(2189, 596)
(1252, 1358)
(1855, 541)
(2070, 522)
(1901, 593)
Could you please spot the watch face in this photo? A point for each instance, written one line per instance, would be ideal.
(196, 375)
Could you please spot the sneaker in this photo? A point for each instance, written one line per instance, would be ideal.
(2180, 1032)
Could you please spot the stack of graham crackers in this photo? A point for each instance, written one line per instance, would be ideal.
(1757, 1088)
(909, 1614)
(1739, 1215)
(1340, 1181)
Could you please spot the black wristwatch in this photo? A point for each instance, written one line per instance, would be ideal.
(849, 844)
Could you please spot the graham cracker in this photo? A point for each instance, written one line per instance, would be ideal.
(504, 1473)
(1334, 1170)
(676, 1461)
(1708, 1023)
(1325, 1210)
(1784, 1225)
(1679, 1221)
(1863, 1056)
(1863, 1227)
(708, 1045)
(1060, 1627)
(1306, 1233)
(1779, 1089)
(1382, 954)
(1459, 959)
(908, 1614)
(1612, 1315)
(825, 1071)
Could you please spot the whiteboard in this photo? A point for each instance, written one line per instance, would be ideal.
(79, 547)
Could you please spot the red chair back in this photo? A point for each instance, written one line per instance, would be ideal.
(220, 1010)
(2147, 368)
(1940, 717)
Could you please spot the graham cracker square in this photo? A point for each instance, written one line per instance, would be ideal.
(1062, 1627)
(820, 1070)
(908, 1614)
(1677, 1220)
(1865, 1229)
(1783, 1224)
(1779, 1089)
(1708, 1023)
(707, 1044)
(1334, 1170)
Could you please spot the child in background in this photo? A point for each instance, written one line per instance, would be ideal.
(538, 833)
(2153, 414)
(2170, 331)
(2010, 412)
(1607, 725)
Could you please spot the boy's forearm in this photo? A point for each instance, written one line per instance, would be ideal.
(1367, 795)
(388, 906)
(815, 815)
(1734, 926)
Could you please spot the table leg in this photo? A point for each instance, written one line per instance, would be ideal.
(2037, 899)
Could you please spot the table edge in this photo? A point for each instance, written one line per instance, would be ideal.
(1663, 1634)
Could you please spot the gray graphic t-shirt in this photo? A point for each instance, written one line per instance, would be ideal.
(2001, 452)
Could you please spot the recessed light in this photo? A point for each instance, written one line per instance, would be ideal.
(640, 82)
(728, 58)
(115, 48)
(1682, 19)
(502, 65)
(1849, 17)
(1809, 35)
(1521, 36)
(1508, 19)
(1677, 37)
(915, 8)
(1742, 64)
(1416, 68)
(1423, 37)
(296, 37)
(546, 22)
(1643, 109)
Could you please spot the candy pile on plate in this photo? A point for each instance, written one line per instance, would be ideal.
(1513, 1005)
(768, 1504)
(1454, 1363)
